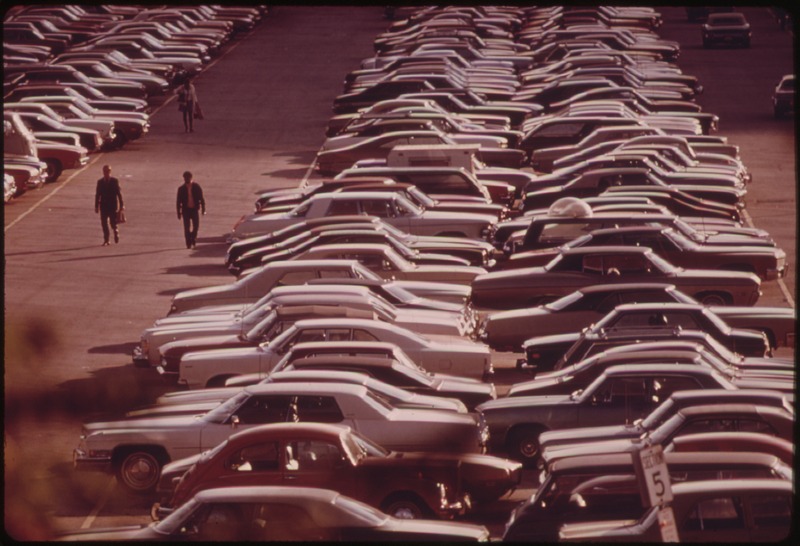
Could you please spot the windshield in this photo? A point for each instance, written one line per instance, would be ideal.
(264, 330)
(221, 413)
(720, 324)
(664, 410)
(399, 293)
(362, 447)
(661, 263)
(721, 350)
(172, 523)
(564, 302)
(380, 401)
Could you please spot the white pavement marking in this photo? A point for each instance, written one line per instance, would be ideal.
(781, 284)
(55, 191)
(87, 523)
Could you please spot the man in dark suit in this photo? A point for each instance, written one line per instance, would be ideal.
(107, 201)
(189, 204)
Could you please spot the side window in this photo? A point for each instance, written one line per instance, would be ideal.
(593, 265)
(771, 511)
(315, 456)
(720, 513)
(336, 274)
(608, 303)
(654, 296)
(619, 392)
(370, 260)
(684, 320)
(341, 207)
(560, 130)
(627, 265)
(376, 207)
(662, 388)
(651, 241)
(708, 425)
(318, 409)
(274, 522)
(560, 233)
(311, 334)
(294, 278)
(755, 425)
(338, 334)
(257, 458)
(218, 522)
(363, 335)
(636, 320)
(259, 410)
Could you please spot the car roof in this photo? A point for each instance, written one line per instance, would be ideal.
(300, 428)
(310, 264)
(302, 388)
(622, 461)
(610, 249)
(660, 306)
(293, 312)
(342, 345)
(293, 495)
(626, 287)
(714, 487)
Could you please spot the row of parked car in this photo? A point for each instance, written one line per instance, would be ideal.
(370, 307)
(83, 79)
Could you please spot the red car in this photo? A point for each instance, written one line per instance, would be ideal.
(405, 485)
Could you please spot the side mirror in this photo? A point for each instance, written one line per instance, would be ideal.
(234, 421)
(577, 500)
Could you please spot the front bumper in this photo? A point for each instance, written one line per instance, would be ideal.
(774, 274)
(83, 460)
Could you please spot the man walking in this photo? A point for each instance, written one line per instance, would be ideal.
(107, 197)
(189, 203)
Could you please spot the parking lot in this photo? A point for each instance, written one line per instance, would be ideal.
(74, 309)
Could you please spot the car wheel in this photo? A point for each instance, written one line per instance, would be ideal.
(139, 470)
(713, 298)
(54, 169)
(523, 445)
(404, 506)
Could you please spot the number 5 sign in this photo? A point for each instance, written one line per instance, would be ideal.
(653, 476)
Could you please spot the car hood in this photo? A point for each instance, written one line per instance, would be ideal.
(223, 354)
(201, 343)
(455, 460)
(624, 445)
(532, 388)
(550, 340)
(447, 218)
(576, 435)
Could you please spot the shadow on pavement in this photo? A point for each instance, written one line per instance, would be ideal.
(119, 348)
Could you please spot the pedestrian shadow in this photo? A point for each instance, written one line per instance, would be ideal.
(285, 173)
(50, 251)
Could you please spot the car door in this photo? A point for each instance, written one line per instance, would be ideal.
(316, 463)
(256, 463)
(255, 410)
(714, 519)
(769, 516)
(613, 401)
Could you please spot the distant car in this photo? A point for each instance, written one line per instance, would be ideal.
(576, 268)
(747, 417)
(731, 442)
(402, 484)
(538, 518)
(507, 330)
(251, 288)
(440, 354)
(735, 510)
(389, 264)
(783, 97)
(392, 208)
(769, 263)
(619, 395)
(678, 401)
(726, 28)
(281, 513)
(630, 323)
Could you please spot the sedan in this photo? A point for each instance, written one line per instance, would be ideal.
(406, 485)
(621, 394)
(387, 263)
(441, 354)
(280, 513)
(769, 263)
(137, 449)
(392, 208)
(726, 28)
(576, 268)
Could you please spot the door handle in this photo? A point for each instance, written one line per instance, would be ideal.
(290, 477)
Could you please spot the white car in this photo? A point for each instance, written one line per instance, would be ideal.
(392, 208)
(137, 449)
(257, 321)
(442, 354)
(252, 287)
(9, 187)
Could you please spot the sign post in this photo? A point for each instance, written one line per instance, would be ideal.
(655, 488)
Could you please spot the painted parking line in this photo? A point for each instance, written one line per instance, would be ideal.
(748, 220)
(87, 523)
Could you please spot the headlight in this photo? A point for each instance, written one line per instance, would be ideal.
(145, 345)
